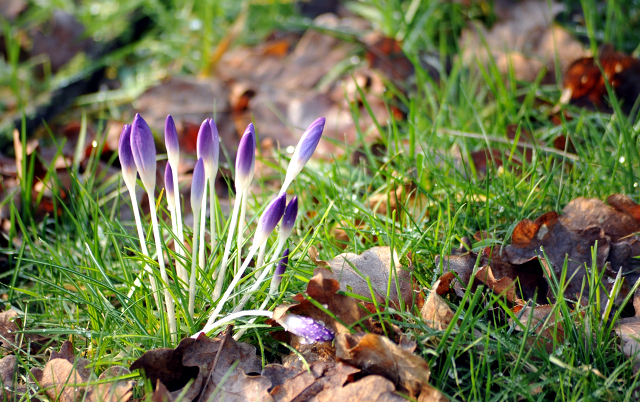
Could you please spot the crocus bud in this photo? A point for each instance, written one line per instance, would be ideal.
(269, 219)
(205, 147)
(305, 148)
(246, 158)
(169, 188)
(144, 152)
(309, 330)
(289, 218)
(171, 141)
(197, 188)
(216, 145)
(127, 163)
(277, 276)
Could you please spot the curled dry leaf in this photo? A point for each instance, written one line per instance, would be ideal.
(436, 312)
(206, 361)
(544, 321)
(618, 219)
(377, 354)
(303, 385)
(372, 388)
(377, 265)
(322, 288)
(628, 330)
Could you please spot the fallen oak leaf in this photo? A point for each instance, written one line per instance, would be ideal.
(628, 330)
(119, 391)
(436, 312)
(544, 320)
(377, 354)
(372, 388)
(350, 270)
(63, 376)
(321, 377)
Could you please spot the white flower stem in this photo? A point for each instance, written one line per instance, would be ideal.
(232, 317)
(203, 219)
(262, 276)
(232, 285)
(180, 268)
(213, 210)
(251, 321)
(261, 253)
(194, 260)
(171, 314)
(225, 257)
(145, 252)
(241, 225)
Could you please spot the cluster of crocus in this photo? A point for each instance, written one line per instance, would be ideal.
(138, 156)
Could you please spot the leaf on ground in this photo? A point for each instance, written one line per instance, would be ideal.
(161, 394)
(628, 330)
(10, 336)
(322, 288)
(436, 312)
(559, 243)
(372, 388)
(218, 366)
(618, 219)
(377, 354)
(117, 391)
(63, 376)
(375, 264)
(545, 320)
(11, 390)
(305, 385)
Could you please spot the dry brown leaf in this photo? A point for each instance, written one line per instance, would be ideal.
(629, 331)
(548, 326)
(350, 270)
(322, 288)
(161, 394)
(119, 391)
(10, 325)
(377, 354)
(436, 312)
(64, 377)
(372, 388)
(618, 219)
(504, 286)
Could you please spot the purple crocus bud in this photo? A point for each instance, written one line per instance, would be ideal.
(280, 268)
(205, 147)
(305, 148)
(171, 141)
(168, 187)
(269, 219)
(197, 188)
(289, 218)
(144, 152)
(127, 163)
(309, 330)
(216, 145)
(246, 158)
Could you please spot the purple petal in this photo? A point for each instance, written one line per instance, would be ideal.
(289, 218)
(197, 187)
(269, 219)
(171, 141)
(127, 163)
(168, 185)
(305, 148)
(144, 152)
(246, 158)
(205, 147)
(311, 331)
(216, 145)
(282, 266)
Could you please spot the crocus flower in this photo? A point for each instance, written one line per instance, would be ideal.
(305, 148)
(127, 163)
(246, 159)
(289, 218)
(171, 141)
(216, 144)
(144, 152)
(205, 147)
(197, 187)
(305, 327)
(169, 187)
(269, 219)
(277, 276)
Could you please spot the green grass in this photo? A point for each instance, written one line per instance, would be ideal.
(71, 271)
